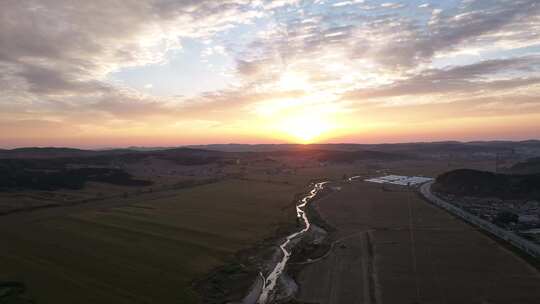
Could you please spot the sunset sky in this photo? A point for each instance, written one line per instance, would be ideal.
(108, 73)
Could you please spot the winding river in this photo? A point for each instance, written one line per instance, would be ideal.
(271, 280)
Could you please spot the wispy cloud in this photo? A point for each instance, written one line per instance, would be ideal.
(56, 57)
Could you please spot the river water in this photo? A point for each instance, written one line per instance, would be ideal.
(271, 280)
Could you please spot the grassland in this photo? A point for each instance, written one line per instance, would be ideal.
(151, 247)
(147, 251)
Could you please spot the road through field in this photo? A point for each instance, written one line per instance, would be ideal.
(404, 250)
(510, 237)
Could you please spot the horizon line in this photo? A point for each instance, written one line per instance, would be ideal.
(262, 144)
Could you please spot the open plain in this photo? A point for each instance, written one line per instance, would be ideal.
(148, 249)
(269, 151)
(391, 246)
(200, 233)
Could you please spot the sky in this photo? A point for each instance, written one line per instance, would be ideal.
(113, 73)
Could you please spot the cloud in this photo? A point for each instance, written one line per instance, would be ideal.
(93, 38)
(35, 128)
(387, 57)
(45, 80)
(392, 5)
(468, 78)
(56, 57)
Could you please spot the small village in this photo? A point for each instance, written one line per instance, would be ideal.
(519, 216)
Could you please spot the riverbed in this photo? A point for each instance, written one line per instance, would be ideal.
(270, 281)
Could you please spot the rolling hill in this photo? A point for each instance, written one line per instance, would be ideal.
(467, 182)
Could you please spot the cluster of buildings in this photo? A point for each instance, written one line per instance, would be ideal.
(519, 216)
(399, 180)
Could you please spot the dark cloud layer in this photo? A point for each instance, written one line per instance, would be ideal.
(469, 78)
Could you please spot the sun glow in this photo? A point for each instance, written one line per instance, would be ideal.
(293, 81)
(306, 128)
(308, 115)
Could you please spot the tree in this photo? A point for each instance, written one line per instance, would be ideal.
(505, 217)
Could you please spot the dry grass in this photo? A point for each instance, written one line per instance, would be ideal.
(421, 254)
(149, 248)
(145, 252)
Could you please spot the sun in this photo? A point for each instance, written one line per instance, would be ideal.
(305, 128)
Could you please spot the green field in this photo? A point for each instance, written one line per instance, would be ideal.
(149, 251)
(150, 248)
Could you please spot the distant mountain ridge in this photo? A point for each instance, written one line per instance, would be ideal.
(529, 147)
(442, 146)
(37, 153)
(51, 152)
